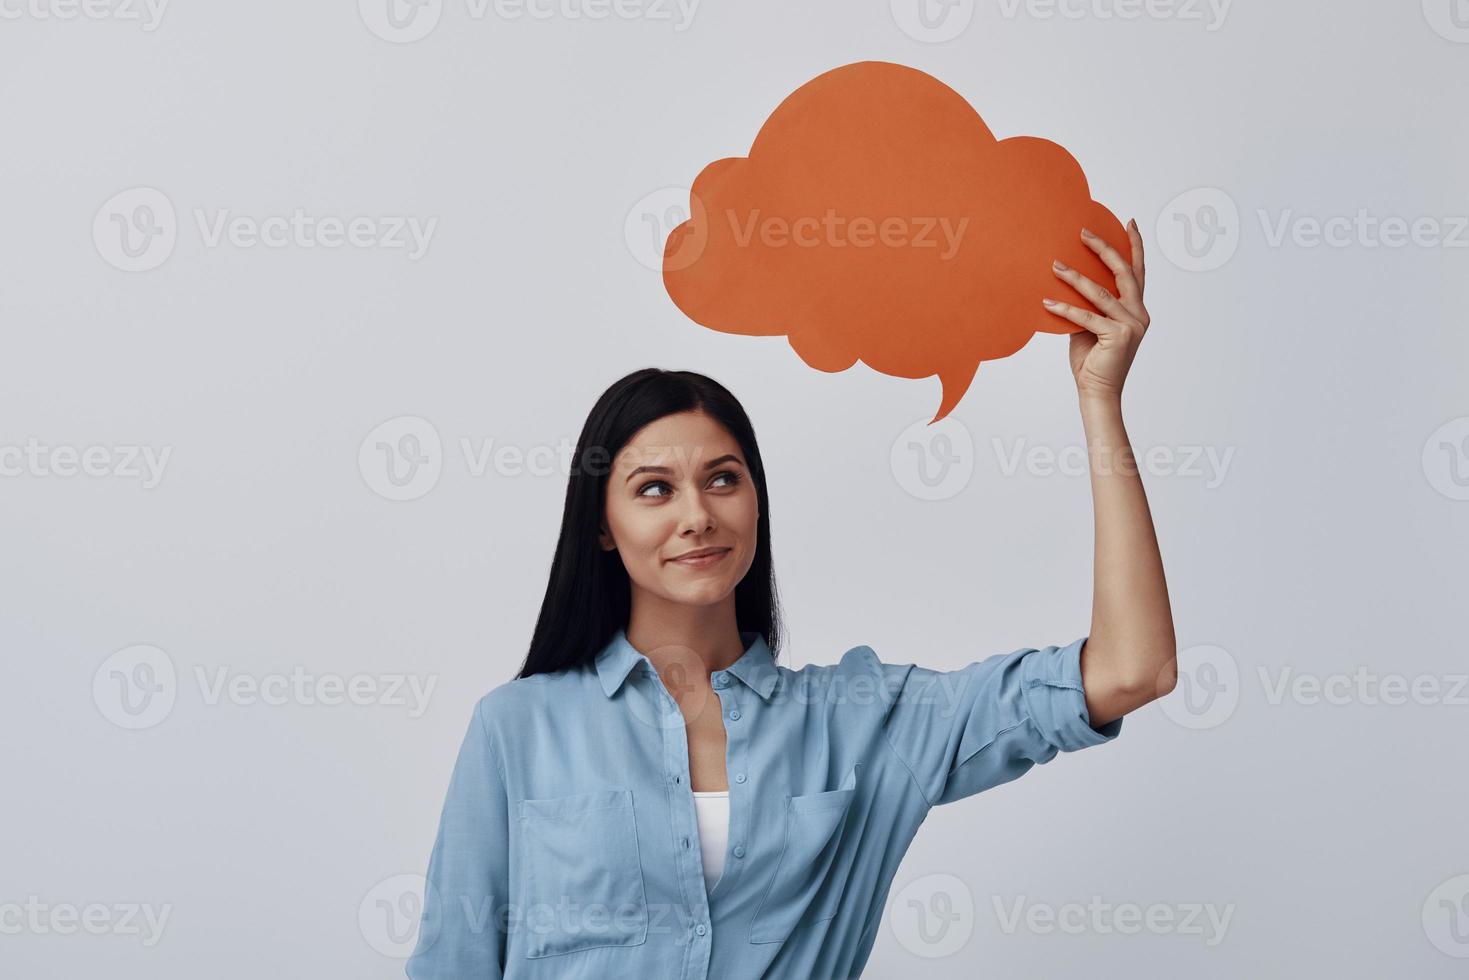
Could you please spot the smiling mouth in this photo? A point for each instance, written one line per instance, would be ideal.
(702, 561)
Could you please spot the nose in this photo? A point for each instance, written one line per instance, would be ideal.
(696, 517)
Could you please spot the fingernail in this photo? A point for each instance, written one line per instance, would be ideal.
(1087, 233)
(1049, 302)
(1060, 266)
(1133, 223)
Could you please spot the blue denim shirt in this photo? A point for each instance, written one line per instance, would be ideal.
(568, 844)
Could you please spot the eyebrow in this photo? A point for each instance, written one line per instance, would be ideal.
(726, 458)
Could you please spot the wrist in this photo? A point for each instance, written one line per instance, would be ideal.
(1092, 400)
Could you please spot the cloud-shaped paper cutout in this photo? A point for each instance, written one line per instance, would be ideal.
(878, 218)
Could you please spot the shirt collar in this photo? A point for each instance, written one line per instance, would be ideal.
(756, 667)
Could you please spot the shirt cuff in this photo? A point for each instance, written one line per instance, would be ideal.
(1057, 701)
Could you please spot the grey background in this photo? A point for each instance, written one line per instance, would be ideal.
(1332, 543)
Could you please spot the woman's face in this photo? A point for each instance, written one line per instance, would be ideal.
(681, 485)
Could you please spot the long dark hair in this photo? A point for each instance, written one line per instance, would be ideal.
(589, 596)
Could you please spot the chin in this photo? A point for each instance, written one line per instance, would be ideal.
(707, 595)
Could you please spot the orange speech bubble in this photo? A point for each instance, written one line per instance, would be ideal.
(878, 218)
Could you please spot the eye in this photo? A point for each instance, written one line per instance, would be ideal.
(653, 483)
(733, 477)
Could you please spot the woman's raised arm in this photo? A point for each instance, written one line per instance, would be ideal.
(1130, 656)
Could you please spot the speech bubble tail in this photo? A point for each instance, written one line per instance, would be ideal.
(955, 384)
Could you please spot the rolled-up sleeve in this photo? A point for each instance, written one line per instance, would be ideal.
(461, 933)
(960, 732)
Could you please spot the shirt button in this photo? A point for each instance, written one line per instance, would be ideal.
(700, 929)
(739, 850)
(739, 777)
(734, 715)
(721, 679)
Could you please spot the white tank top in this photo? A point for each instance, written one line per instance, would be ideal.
(712, 811)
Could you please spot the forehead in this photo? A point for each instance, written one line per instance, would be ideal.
(681, 442)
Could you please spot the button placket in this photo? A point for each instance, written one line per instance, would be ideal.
(734, 753)
(685, 823)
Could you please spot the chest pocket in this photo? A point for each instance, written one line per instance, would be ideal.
(800, 891)
(582, 874)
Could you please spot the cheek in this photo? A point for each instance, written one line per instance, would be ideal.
(750, 513)
(743, 519)
(638, 530)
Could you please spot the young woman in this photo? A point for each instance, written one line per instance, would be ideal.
(653, 798)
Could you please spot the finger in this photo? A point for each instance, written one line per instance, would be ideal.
(1127, 285)
(1098, 296)
(1139, 266)
(1099, 325)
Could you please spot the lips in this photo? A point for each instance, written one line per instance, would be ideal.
(701, 558)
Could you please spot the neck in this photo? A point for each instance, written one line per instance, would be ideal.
(676, 634)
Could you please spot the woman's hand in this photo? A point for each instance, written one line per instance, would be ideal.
(1103, 351)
